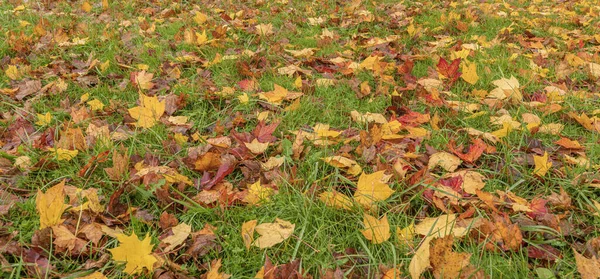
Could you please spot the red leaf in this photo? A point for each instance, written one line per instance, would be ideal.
(475, 150)
(450, 71)
(264, 133)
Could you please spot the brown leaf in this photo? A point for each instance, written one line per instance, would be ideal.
(588, 268)
(120, 166)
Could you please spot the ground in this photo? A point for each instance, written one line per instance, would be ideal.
(298, 139)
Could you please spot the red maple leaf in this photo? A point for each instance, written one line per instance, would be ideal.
(450, 71)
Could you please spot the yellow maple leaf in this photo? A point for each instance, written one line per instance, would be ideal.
(51, 205)
(86, 7)
(351, 166)
(12, 72)
(248, 233)
(243, 98)
(64, 154)
(372, 188)
(44, 119)
(256, 147)
(200, 18)
(276, 96)
(149, 112)
(542, 165)
(95, 275)
(273, 233)
(469, 72)
(336, 199)
(214, 273)
(258, 194)
(376, 230)
(95, 104)
(135, 253)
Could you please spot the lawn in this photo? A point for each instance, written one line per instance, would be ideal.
(299, 139)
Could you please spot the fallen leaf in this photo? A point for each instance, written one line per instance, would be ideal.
(180, 234)
(445, 160)
(351, 166)
(588, 268)
(372, 188)
(376, 230)
(256, 147)
(258, 194)
(445, 262)
(542, 165)
(135, 253)
(213, 272)
(51, 205)
(148, 112)
(336, 199)
(469, 72)
(273, 233)
(248, 233)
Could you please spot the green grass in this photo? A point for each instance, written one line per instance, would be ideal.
(324, 237)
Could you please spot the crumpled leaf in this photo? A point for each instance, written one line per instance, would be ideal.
(273, 233)
(137, 254)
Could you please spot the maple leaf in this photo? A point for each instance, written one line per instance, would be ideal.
(248, 233)
(64, 154)
(469, 74)
(50, 205)
(449, 71)
(180, 234)
(542, 165)
(257, 147)
(214, 273)
(273, 233)
(588, 268)
(507, 88)
(376, 230)
(351, 166)
(142, 79)
(258, 194)
(445, 160)
(44, 119)
(148, 112)
(372, 188)
(135, 253)
(445, 262)
(336, 199)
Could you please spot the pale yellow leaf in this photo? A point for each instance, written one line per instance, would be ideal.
(376, 230)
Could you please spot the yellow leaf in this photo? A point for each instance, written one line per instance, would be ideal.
(64, 154)
(264, 29)
(507, 88)
(257, 147)
(12, 72)
(104, 66)
(440, 226)
(104, 4)
(298, 83)
(392, 273)
(200, 18)
(447, 161)
(95, 275)
(336, 199)
(272, 163)
(86, 7)
(406, 234)
(588, 268)
(95, 104)
(248, 233)
(201, 38)
(273, 233)
(51, 205)
(420, 260)
(469, 72)
(243, 98)
(149, 112)
(43, 119)
(542, 165)
(258, 194)
(135, 253)
(376, 230)
(214, 273)
(180, 138)
(180, 234)
(372, 188)
(276, 96)
(351, 166)
(144, 80)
